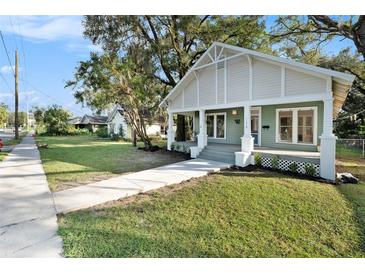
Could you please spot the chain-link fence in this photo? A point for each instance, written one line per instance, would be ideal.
(350, 148)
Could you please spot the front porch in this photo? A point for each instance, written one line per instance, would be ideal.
(284, 133)
(226, 153)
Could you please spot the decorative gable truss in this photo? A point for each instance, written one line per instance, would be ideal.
(228, 76)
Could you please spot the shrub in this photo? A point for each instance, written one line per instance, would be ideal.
(293, 167)
(71, 130)
(121, 132)
(275, 162)
(115, 137)
(310, 170)
(173, 146)
(102, 132)
(258, 159)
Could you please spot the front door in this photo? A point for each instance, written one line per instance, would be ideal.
(256, 125)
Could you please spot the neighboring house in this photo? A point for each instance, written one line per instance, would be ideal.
(90, 122)
(117, 120)
(244, 102)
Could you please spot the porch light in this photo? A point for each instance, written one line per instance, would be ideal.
(234, 112)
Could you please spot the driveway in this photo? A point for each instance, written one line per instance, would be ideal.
(28, 222)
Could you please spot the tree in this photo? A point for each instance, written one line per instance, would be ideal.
(109, 79)
(55, 119)
(4, 114)
(161, 49)
(38, 113)
(302, 38)
(321, 29)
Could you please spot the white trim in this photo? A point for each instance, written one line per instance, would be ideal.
(197, 87)
(250, 75)
(224, 59)
(259, 125)
(183, 98)
(262, 102)
(220, 53)
(225, 81)
(216, 83)
(283, 76)
(210, 56)
(295, 126)
(215, 125)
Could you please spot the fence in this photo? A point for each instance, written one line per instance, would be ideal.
(350, 148)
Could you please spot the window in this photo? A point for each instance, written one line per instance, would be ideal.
(216, 125)
(220, 65)
(286, 125)
(210, 125)
(305, 126)
(297, 125)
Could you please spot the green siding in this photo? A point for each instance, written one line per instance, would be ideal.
(268, 117)
(234, 130)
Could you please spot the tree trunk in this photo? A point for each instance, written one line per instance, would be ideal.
(180, 128)
(134, 138)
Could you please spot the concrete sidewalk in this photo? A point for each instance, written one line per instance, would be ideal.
(28, 222)
(132, 184)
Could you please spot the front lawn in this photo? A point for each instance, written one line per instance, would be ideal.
(3, 155)
(73, 160)
(230, 214)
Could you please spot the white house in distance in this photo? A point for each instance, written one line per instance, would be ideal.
(117, 120)
(244, 102)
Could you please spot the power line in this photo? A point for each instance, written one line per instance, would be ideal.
(53, 99)
(6, 82)
(7, 53)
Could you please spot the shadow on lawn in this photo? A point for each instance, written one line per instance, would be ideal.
(355, 195)
(115, 158)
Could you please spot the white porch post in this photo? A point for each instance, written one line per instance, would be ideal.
(170, 131)
(328, 143)
(202, 136)
(247, 141)
(244, 157)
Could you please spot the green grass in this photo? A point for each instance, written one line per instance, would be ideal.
(73, 160)
(343, 151)
(3, 155)
(230, 214)
(13, 142)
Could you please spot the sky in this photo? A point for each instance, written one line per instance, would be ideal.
(50, 48)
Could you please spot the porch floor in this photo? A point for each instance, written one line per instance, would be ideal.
(285, 152)
(307, 156)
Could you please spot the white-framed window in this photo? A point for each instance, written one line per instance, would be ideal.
(296, 125)
(216, 125)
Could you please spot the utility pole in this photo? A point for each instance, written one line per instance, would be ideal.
(16, 119)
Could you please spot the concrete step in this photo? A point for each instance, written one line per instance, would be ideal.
(217, 153)
(230, 160)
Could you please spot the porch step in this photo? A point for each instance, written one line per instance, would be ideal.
(219, 153)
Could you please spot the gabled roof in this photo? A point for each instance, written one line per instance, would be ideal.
(116, 109)
(93, 120)
(74, 120)
(338, 76)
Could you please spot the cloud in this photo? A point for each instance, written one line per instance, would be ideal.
(82, 47)
(43, 28)
(6, 94)
(9, 69)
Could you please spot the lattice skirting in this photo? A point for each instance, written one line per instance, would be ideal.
(284, 165)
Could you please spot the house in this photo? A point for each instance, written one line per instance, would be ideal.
(90, 122)
(117, 120)
(117, 123)
(242, 102)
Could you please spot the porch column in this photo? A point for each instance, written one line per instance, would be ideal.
(170, 131)
(328, 143)
(247, 141)
(202, 136)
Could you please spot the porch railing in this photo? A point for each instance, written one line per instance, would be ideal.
(350, 148)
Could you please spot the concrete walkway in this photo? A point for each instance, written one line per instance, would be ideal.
(28, 222)
(132, 184)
